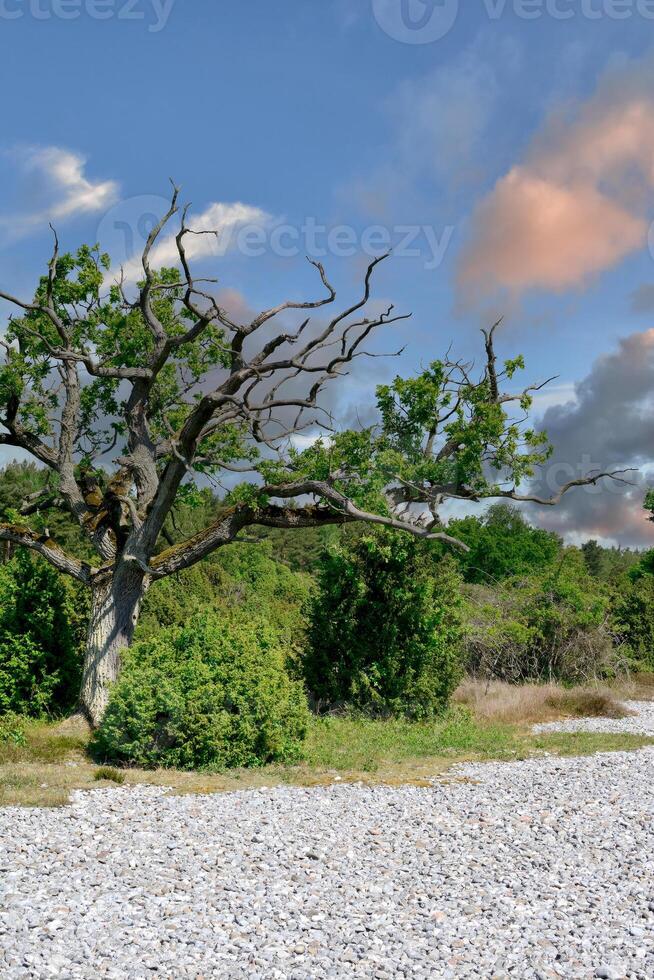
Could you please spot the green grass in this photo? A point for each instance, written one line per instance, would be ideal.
(365, 744)
(52, 761)
(107, 774)
(347, 744)
(42, 742)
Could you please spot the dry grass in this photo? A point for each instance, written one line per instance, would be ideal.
(588, 703)
(638, 687)
(33, 784)
(529, 704)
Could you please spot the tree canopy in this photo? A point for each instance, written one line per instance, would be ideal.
(501, 544)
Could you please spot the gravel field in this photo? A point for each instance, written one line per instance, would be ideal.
(542, 868)
(641, 724)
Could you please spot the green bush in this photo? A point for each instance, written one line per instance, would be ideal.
(12, 730)
(385, 631)
(243, 578)
(42, 627)
(549, 626)
(214, 694)
(633, 612)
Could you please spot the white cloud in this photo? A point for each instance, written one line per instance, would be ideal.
(59, 180)
(223, 219)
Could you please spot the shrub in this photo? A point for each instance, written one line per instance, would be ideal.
(550, 626)
(214, 694)
(587, 704)
(42, 626)
(243, 578)
(385, 631)
(633, 612)
(107, 774)
(12, 730)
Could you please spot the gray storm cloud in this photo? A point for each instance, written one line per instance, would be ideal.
(607, 426)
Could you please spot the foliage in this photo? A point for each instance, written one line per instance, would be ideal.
(302, 549)
(244, 577)
(214, 694)
(442, 435)
(502, 544)
(42, 626)
(633, 612)
(12, 730)
(21, 481)
(385, 630)
(109, 774)
(609, 564)
(593, 555)
(633, 604)
(552, 625)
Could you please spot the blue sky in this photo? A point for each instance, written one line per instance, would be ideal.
(500, 145)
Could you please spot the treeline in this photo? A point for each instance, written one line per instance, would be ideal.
(232, 654)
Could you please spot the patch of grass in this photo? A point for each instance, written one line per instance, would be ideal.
(365, 745)
(638, 687)
(109, 774)
(53, 761)
(44, 741)
(587, 704)
(586, 743)
(496, 701)
(523, 704)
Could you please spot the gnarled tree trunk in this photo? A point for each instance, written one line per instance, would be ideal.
(115, 608)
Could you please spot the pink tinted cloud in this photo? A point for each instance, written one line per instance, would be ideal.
(532, 232)
(574, 208)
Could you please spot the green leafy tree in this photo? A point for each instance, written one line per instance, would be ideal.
(593, 557)
(131, 398)
(633, 611)
(246, 579)
(502, 544)
(385, 632)
(24, 489)
(633, 604)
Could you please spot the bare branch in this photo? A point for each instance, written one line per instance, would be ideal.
(44, 499)
(144, 296)
(347, 508)
(491, 359)
(586, 481)
(291, 305)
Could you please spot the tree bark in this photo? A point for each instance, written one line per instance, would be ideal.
(115, 607)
